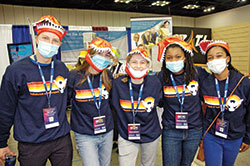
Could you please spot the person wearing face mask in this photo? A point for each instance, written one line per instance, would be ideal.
(89, 86)
(34, 99)
(231, 131)
(135, 97)
(182, 115)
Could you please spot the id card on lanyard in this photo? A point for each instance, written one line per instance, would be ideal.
(99, 122)
(134, 128)
(221, 124)
(181, 118)
(50, 113)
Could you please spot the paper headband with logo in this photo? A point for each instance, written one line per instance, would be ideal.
(163, 45)
(50, 24)
(101, 45)
(206, 44)
(140, 51)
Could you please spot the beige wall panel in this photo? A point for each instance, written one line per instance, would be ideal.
(238, 37)
(116, 18)
(19, 14)
(46, 11)
(72, 17)
(125, 20)
(56, 13)
(221, 19)
(95, 17)
(87, 17)
(84, 17)
(9, 14)
(109, 18)
(2, 19)
(38, 13)
(28, 12)
(64, 16)
(79, 18)
(102, 18)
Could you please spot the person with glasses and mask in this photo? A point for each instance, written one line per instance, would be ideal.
(230, 134)
(34, 100)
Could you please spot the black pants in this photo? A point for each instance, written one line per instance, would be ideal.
(115, 136)
(59, 152)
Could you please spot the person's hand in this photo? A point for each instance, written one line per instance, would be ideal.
(118, 75)
(244, 147)
(3, 153)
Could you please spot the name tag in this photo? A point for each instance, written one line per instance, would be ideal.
(134, 131)
(181, 120)
(99, 124)
(50, 117)
(222, 128)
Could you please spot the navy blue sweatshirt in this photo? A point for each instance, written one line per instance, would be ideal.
(146, 116)
(238, 105)
(192, 102)
(23, 98)
(83, 105)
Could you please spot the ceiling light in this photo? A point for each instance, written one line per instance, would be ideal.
(241, 0)
(160, 3)
(122, 1)
(190, 6)
(208, 9)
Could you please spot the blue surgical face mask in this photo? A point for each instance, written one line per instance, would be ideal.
(100, 62)
(175, 66)
(47, 50)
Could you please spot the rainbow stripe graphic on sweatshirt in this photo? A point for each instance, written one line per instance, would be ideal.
(169, 91)
(191, 89)
(86, 95)
(37, 88)
(126, 105)
(233, 102)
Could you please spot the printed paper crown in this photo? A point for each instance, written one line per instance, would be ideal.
(140, 51)
(101, 45)
(206, 44)
(50, 24)
(172, 40)
(83, 54)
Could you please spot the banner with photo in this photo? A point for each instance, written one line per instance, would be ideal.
(146, 32)
(78, 40)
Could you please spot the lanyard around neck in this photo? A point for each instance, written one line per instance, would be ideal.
(180, 99)
(222, 105)
(43, 79)
(98, 105)
(134, 110)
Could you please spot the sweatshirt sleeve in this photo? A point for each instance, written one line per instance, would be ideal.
(8, 102)
(246, 138)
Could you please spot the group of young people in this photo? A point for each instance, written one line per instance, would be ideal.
(35, 90)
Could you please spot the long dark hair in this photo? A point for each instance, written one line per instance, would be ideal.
(189, 69)
(230, 66)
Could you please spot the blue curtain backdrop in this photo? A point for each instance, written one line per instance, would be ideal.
(129, 38)
(21, 34)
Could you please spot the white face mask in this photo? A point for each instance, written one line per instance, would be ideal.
(175, 66)
(217, 66)
(137, 73)
(47, 50)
